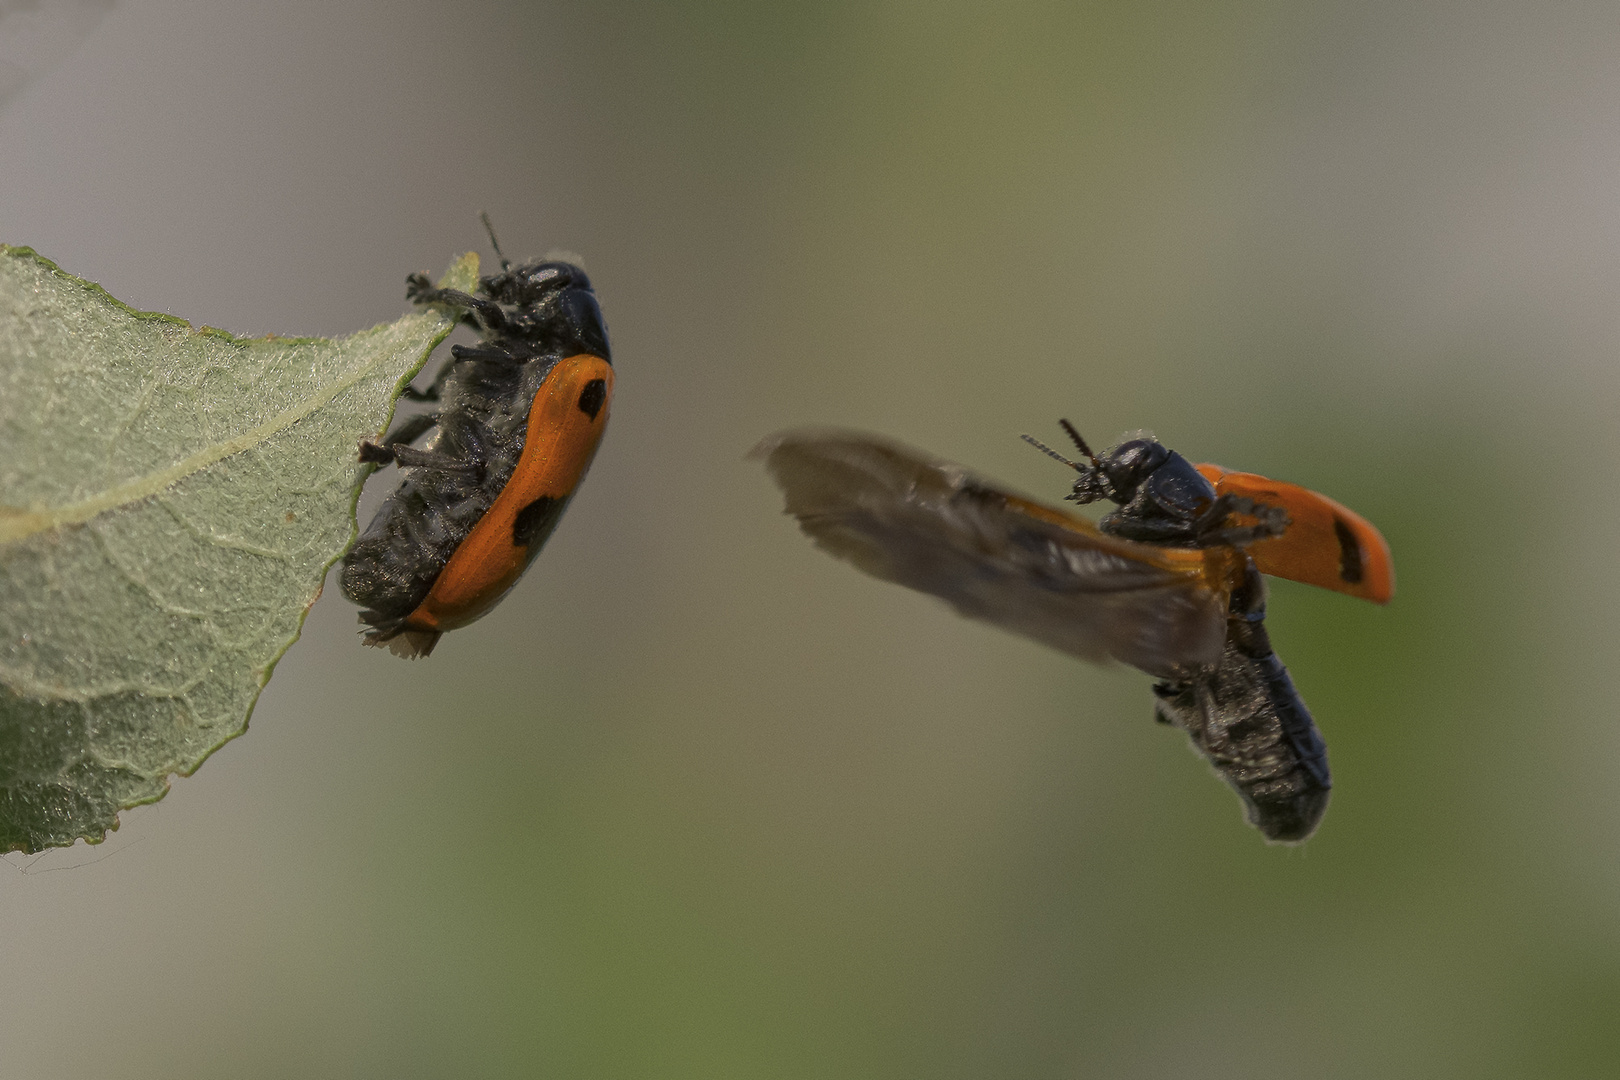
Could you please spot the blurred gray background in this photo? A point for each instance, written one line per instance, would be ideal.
(697, 801)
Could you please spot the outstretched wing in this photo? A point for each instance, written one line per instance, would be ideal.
(903, 516)
(1325, 544)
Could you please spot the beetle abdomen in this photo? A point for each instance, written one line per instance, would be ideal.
(1249, 723)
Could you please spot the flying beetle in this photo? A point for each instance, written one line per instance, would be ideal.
(1170, 581)
(488, 474)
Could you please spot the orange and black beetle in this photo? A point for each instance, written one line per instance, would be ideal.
(521, 414)
(1169, 582)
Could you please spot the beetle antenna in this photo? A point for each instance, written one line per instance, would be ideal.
(483, 215)
(1051, 453)
(1078, 441)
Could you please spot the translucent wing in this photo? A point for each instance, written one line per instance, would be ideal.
(929, 525)
(1326, 544)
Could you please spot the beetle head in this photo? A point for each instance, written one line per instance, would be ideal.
(1116, 475)
(1120, 471)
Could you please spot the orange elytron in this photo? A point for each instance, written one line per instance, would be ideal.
(521, 415)
(1326, 544)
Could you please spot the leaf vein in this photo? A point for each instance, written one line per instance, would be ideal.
(17, 523)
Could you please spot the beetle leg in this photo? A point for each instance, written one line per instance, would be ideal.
(419, 290)
(396, 448)
(1163, 691)
(1212, 716)
(432, 392)
(409, 457)
(486, 350)
(375, 453)
(461, 447)
(1210, 532)
(406, 431)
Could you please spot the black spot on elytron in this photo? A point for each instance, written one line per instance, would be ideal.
(592, 397)
(1349, 552)
(535, 521)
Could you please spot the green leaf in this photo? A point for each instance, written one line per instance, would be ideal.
(170, 501)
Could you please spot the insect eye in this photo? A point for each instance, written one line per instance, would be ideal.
(545, 277)
(1131, 463)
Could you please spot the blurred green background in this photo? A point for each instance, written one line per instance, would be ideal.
(698, 801)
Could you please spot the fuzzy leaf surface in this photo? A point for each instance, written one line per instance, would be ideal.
(171, 498)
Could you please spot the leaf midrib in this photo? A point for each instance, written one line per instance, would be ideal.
(18, 522)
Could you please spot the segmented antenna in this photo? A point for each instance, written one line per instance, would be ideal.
(1051, 453)
(483, 216)
(1078, 441)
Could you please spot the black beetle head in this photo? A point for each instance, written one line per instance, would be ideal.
(531, 283)
(1130, 463)
(558, 305)
(1117, 474)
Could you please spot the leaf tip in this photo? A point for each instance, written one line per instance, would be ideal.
(463, 273)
